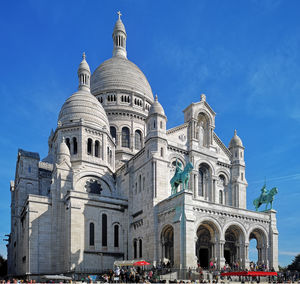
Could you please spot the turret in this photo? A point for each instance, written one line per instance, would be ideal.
(156, 121)
(238, 180)
(84, 75)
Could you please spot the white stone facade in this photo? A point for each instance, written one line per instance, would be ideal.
(103, 192)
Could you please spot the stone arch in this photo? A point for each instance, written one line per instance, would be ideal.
(261, 236)
(208, 233)
(201, 161)
(225, 173)
(205, 113)
(203, 127)
(107, 184)
(167, 243)
(237, 224)
(234, 235)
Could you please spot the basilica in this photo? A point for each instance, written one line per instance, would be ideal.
(103, 192)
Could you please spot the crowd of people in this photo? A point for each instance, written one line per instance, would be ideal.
(192, 275)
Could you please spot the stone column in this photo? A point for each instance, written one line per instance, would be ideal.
(119, 138)
(93, 148)
(195, 185)
(245, 256)
(214, 190)
(177, 252)
(71, 146)
(221, 259)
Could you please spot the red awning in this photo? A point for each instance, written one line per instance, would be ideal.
(141, 263)
(249, 273)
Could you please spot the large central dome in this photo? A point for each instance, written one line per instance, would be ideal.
(118, 73)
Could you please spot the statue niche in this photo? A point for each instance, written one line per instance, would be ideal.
(202, 130)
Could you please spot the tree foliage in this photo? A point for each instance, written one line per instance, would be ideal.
(3, 266)
(295, 265)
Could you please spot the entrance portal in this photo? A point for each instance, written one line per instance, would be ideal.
(227, 256)
(204, 257)
(234, 238)
(207, 237)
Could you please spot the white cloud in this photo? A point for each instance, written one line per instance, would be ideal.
(290, 253)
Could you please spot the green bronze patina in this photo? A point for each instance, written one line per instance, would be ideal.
(180, 176)
(266, 197)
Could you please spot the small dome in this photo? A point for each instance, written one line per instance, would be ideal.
(235, 141)
(118, 73)
(156, 107)
(83, 106)
(63, 152)
(83, 65)
(119, 26)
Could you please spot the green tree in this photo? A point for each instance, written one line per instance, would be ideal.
(3, 266)
(295, 265)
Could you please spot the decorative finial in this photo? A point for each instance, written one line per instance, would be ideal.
(203, 98)
(235, 132)
(119, 13)
(63, 140)
(83, 55)
(156, 99)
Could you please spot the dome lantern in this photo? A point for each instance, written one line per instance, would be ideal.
(84, 74)
(119, 38)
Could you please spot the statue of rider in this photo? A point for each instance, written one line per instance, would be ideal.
(178, 169)
(264, 192)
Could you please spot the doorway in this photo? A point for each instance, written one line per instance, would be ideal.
(203, 257)
(227, 256)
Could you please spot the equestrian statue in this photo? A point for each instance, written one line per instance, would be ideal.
(266, 196)
(180, 176)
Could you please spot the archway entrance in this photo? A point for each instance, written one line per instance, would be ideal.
(207, 236)
(233, 248)
(261, 244)
(167, 242)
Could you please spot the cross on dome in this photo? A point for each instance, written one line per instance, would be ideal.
(119, 14)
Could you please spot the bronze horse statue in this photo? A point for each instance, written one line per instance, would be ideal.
(266, 197)
(181, 176)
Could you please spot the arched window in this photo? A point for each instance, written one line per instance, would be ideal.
(204, 181)
(68, 144)
(74, 145)
(104, 230)
(140, 183)
(125, 137)
(92, 234)
(113, 132)
(138, 140)
(134, 248)
(97, 148)
(161, 124)
(116, 236)
(161, 152)
(141, 248)
(89, 146)
(220, 196)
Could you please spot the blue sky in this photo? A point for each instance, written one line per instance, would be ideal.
(244, 55)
